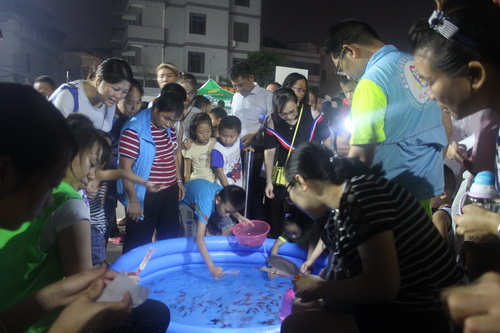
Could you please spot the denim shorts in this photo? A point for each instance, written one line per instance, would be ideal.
(98, 246)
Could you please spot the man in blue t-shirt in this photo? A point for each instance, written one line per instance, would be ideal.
(394, 121)
(213, 207)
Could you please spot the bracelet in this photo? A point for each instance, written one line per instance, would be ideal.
(179, 180)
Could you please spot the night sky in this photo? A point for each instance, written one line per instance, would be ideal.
(300, 21)
(88, 23)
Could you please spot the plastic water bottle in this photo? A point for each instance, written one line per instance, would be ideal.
(286, 304)
(482, 193)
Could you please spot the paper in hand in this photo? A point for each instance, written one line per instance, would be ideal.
(115, 291)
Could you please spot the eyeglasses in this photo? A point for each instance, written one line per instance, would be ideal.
(300, 89)
(339, 70)
(191, 93)
(288, 187)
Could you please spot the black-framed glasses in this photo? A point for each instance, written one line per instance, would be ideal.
(288, 187)
(339, 70)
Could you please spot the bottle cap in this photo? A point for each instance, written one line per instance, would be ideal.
(484, 185)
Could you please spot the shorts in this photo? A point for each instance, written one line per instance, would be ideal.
(98, 246)
(217, 225)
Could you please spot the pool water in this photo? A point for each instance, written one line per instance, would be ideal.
(244, 300)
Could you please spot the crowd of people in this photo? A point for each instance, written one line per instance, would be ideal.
(363, 180)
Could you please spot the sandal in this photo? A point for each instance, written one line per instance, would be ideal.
(117, 240)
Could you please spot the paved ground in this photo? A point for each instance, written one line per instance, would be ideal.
(114, 251)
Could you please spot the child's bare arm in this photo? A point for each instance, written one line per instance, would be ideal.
(442, 222)
(216, 271)
(219, 172)
(187, 170)
(276, 246)
(239, 217)
(320, 246)
(455, 152)
(105, 175)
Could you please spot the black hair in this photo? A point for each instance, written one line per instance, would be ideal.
(221, 103)
(106, 152)
(326, 167)
(174, 88)
(230, 122)
(46, 79)
(218, 112)
(280, 99)
(189, 78)
(291, 79)
(198, 119)
(199, 101)
(477, 38)
(295, 216)
(240, 70)
(234, 195)
(86, 135)
(274, 83)
(135, 84)
(349, 31)
(170, 102)
(33, 133)
(114, 70)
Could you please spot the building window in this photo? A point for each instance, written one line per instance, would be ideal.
(241, 32)
(197, 24)
(237, 60)
(196, 62)
(243, 3)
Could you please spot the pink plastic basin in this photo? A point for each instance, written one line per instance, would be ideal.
(249, 235)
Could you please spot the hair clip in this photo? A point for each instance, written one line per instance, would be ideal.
(288, 215)
(442, 25)
(332, 159)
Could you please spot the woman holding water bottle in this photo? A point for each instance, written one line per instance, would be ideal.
(457, 51)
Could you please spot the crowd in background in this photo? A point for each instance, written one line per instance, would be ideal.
(363, 178)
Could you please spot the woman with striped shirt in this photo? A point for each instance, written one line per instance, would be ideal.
(389, 261)
(147, 147)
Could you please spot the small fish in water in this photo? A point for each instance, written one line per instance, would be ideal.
(267, 322)
(216, 320)
(159, 291)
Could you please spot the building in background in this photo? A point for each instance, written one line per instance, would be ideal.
(202, 37)
(29, 47)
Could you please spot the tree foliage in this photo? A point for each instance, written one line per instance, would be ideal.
(263, 64)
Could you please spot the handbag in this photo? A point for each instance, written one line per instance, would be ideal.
(278, 175)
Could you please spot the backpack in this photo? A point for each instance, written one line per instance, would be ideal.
(72, 89)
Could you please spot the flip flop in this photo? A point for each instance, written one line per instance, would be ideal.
(117, 240)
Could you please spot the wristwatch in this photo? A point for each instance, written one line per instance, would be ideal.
(179, 180)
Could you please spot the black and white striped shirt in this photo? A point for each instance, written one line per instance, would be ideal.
(371, 205)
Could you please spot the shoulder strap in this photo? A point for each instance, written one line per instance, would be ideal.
(294, 134)
(74, 92)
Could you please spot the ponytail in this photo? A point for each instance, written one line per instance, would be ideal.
(313, 161)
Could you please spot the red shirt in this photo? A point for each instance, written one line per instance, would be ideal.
(163, 168)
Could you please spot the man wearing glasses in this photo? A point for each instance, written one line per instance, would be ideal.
(251, 104)
(394, 121)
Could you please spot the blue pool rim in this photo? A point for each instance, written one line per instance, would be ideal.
(224, 250)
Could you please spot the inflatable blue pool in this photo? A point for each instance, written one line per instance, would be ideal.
(245, 300)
